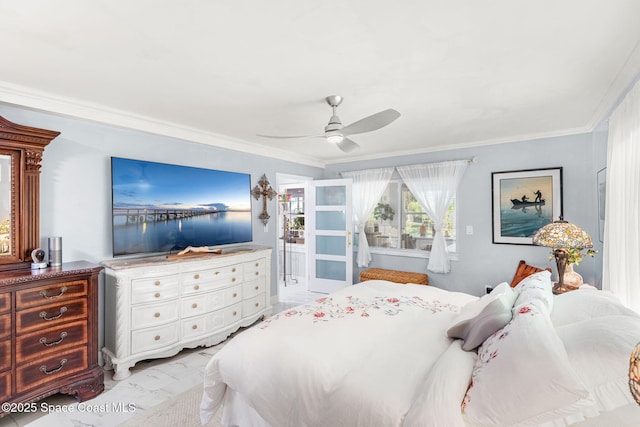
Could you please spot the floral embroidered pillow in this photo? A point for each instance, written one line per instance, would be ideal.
(523, 374)
(537, 286)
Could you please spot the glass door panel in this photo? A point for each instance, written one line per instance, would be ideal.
(331, 245)
(330, 270)
(330, 235)
(331, 220)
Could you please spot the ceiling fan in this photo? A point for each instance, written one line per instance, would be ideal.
(336, 133)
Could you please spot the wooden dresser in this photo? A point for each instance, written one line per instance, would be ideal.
(48, 333)
(156, 306)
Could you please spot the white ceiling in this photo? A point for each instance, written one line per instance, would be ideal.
(461, 72)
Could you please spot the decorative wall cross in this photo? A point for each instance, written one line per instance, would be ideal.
(263, 189)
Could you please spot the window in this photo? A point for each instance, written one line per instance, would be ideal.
(399, 222)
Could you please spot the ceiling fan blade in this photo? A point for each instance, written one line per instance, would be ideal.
(373, 122)
(347, 145)
(292, 136)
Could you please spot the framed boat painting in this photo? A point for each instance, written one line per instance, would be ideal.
(524, 201)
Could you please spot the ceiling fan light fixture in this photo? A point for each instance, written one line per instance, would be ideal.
(336, 138)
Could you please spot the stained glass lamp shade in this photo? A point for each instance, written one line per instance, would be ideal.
(561, 235)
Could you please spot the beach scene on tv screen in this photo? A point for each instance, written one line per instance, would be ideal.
(158, 207)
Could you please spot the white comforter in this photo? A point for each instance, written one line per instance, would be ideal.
(313, 360)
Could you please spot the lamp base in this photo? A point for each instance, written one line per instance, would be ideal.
(561, 289)
(571, 277)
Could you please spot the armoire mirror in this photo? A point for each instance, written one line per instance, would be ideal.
(21, 149)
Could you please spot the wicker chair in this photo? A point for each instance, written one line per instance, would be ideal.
(634, 373)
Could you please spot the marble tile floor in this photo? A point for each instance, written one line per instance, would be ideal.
(295, 293)
(151, 382)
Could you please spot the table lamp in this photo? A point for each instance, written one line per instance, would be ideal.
(560, 235)
(634, 373)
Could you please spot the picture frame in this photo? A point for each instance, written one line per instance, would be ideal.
(524, 201)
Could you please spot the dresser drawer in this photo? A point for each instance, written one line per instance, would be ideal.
(207, 280)
(159, 294)
(51, 340)
(253, 305)
(253, 288)
(50, 294)
(47, 369)
(254, 269)
(143, 316)
(152, 338)
(233, 314)
(233, 295)
(223, 298)
(5, 325)
(5, 386)
(145, 290)
(200, 304)
(215, 320)
(50, 315)
(5, 302)
(193, 327)
(5, 355)
(193, 306)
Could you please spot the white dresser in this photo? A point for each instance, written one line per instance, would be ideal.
(156, 306)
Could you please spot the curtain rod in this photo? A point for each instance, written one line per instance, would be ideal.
(474, 159)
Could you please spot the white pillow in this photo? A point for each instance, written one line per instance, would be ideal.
(585, 304)
(599, 350)
(536, 286)
(479, 319)
(523, 375)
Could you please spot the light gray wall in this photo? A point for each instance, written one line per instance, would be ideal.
(75, 181)
(481, 262)
(76, 192)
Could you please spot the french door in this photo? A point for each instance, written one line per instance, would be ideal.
(330, 236)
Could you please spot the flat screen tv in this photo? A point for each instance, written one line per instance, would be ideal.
(158, 207)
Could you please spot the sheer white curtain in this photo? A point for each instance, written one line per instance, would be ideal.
(368, 186)
(434, 186)
(622, 209)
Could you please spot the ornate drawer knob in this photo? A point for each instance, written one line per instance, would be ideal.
(157, 283)
(194, 327)
(233, 279)
(156, 314)
(235, 294)
(257, 264)
(196, 276)
(43, 368)
(235, 313)
(43, 314)
(257, 287)
(43, 340)
(216, 273)
(257, 273)
(194, 305)
(157, 295)
(45, 295)
(233, 270)
(196, 287)
(257, 304)
(157, 338)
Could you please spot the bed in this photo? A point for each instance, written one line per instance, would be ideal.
(382, 354)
